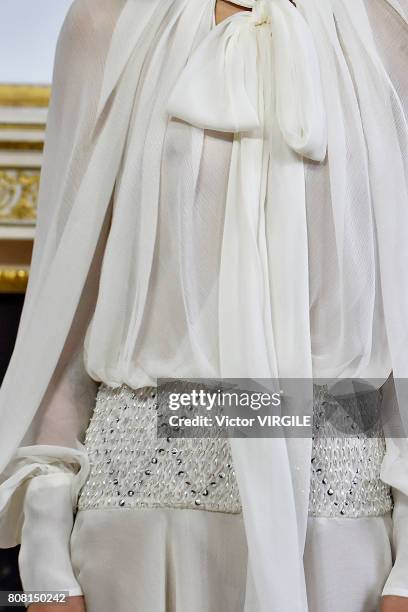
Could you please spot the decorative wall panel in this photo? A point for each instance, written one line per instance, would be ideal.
(23, 112)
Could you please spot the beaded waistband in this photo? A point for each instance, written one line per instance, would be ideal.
(132, 468)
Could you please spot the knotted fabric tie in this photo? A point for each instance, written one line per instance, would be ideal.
(219, 87)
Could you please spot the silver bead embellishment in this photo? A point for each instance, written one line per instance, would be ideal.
(130, 467)
(144, 471)
(345, 469)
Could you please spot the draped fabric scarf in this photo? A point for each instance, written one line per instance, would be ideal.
(276, 77)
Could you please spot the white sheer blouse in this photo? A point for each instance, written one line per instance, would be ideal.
(178, 333)
(240, 236)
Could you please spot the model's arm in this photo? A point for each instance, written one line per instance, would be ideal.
(75, 604)
(392, 603)
(60, 407)
(390, 29)
(39, 486)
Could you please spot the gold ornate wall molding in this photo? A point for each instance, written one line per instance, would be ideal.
(23, 110)
(18, 195)
(13, 280)
(21, 147)
(29, 96)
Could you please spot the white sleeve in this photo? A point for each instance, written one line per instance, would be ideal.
(37, 505)
(397, 582)
(394, 471)
(389, 19)
(41, 483)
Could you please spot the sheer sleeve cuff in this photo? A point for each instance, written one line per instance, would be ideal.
(29, 463)
(37, 505)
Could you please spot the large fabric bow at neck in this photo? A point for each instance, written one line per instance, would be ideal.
(220, 85)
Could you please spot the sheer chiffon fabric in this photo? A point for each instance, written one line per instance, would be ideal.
(221, 241)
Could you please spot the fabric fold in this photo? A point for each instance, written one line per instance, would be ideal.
(272, 100)
(131, 24)
(45, 557)
(219, 87)
(29, 463)
(238, 63)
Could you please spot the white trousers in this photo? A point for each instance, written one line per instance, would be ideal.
(181, 560)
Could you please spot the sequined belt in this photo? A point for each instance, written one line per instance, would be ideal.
(132, 468)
